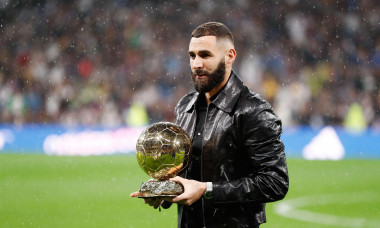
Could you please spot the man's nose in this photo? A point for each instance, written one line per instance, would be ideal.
(198, 63)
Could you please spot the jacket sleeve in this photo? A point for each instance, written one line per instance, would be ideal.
(267, 176)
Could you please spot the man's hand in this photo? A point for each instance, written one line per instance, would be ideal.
(154, 202)
(193, 191)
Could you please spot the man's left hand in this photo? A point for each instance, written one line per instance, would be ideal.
(193, 191)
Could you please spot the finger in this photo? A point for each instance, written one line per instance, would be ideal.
(188, 202)
(135, 194)
(181, 202)
(156, 203)
(153, 204)
(179, 198)
(177, 179)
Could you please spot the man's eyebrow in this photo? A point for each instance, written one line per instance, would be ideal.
(201, 52)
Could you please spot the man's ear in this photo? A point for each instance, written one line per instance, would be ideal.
(230, 56)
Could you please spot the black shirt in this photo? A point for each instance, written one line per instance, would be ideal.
(195, 211)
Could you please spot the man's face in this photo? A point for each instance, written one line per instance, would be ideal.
(207, 63)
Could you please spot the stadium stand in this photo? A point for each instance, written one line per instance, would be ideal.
(87, 62)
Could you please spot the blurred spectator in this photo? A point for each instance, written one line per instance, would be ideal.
(86, 62)
(355, 119)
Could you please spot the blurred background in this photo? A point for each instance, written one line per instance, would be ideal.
(67, 65)
(85, 77)
(90, 62)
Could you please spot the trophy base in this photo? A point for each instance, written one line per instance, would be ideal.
(165, 188)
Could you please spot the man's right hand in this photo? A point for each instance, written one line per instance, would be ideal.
(154, 202)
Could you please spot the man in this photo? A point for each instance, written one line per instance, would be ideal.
(238, 161)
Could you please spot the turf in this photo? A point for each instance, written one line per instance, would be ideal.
(50, 191)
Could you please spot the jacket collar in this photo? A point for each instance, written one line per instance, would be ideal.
(226, 99)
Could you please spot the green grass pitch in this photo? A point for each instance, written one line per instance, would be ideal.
(50, 191)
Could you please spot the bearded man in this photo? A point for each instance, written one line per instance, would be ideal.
(238, 162)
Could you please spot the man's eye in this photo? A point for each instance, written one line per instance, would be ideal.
(205, 55)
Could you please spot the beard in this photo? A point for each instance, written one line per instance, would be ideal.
(212, 80)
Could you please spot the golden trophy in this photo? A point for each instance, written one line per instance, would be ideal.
(163, 150)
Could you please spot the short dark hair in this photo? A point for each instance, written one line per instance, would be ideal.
(213, 29)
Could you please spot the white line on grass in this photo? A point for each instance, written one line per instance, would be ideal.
(292, 208)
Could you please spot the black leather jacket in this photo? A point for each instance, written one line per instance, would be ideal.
(243, 155)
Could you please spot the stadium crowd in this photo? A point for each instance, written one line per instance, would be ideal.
(108, 63)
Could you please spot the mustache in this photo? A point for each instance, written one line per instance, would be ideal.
(198, 72)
